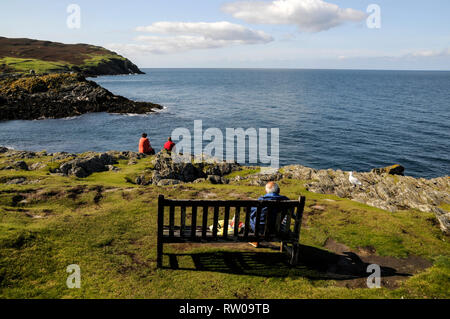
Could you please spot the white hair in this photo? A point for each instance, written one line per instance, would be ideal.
(272, 189)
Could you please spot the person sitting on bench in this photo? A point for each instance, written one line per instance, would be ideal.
(144, 145)
(272, 193)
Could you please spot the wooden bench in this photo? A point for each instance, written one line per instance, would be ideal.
(285, 230)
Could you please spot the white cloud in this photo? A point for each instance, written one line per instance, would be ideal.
(308, 15)
(209, 30)
(174, 37)
(430, 53)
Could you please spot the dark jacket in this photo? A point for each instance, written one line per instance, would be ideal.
(270, 196)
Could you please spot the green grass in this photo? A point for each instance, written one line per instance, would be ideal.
(243, 173)
(96, 59)
(39, 66)
(21, 65)
(113, 239)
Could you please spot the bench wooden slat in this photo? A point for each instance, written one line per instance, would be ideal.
(268, 227)
(159, 245)
(287, 226)
(248, 211)
(299, 215)
(171, 219)
(278, 221)
(258, 220)
(216, 220)
(226, 221)
(183, 220)
(204, 221)
(231, 203)
(237, 217)
(193, 222)
(208, 239)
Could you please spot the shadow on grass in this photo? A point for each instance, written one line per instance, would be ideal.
(314, 263)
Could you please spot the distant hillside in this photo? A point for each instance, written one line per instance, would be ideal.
(23, 55)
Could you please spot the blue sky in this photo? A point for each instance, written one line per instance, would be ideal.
(262, 34)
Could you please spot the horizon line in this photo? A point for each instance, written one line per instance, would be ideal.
(310, 69)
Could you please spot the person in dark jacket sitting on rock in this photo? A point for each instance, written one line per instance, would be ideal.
(144, 145)
(272, 193)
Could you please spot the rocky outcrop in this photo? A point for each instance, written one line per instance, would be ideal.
(83, 167)
(380, 190)
(109, 67)
(61, 95)
(166, 169)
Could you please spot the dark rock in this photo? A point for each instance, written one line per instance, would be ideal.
(214, 179)
(79, 172)
(168, 169)
(221, 169)
(392, 170)
(147, 178)
(165, 182)
(21, 154)
(21, 165)
(165, 168)
(124, 155)
(62, 156)
(83, 167)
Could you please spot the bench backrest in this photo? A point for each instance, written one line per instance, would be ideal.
(286, 227)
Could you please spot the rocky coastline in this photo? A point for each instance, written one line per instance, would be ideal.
(59, 95)
(381, 188)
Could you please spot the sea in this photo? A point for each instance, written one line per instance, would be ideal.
(340, 119)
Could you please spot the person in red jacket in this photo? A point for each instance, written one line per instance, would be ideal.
(144, 145)
(169, 145)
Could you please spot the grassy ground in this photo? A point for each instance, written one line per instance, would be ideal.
(24, 65)
(107, 226)
(39, 66)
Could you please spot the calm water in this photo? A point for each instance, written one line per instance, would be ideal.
(352, 120)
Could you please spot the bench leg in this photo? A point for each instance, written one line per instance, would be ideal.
(159, 255)
(294, 255)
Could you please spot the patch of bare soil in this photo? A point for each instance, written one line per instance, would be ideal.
(206, 195)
